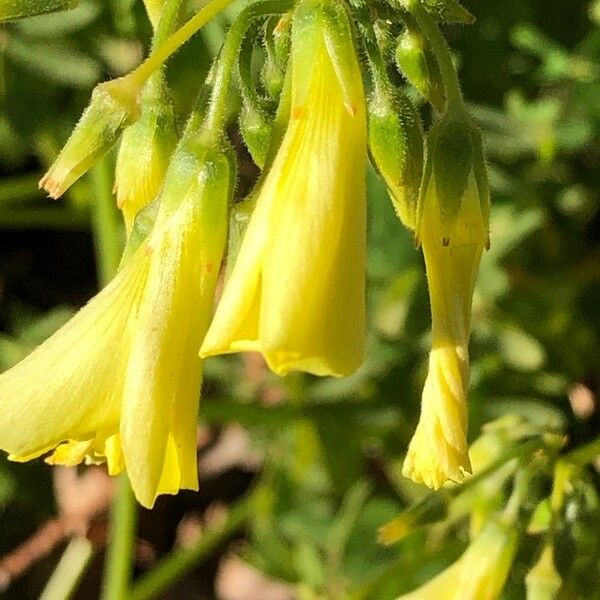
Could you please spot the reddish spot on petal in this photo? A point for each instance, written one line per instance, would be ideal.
(296, 112)
(350, 108)
(208, 267)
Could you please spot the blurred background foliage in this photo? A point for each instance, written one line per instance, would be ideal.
(321, 459)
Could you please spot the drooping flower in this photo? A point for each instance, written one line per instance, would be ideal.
(480, 573)
(297, 290)
(453, 230)
(120, 381)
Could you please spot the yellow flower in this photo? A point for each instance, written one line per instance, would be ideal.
(120, 382)
(297, 290)
(480, 573)
(453, 230)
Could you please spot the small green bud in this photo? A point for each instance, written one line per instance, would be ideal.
(417, 62)
(455, 182)
(145, 151)
(114, 106)
(277, 45)
(17, 9)
(543, 581)
(256, 129)
(396, 147)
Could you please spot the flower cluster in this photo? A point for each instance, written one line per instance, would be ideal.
(120, 382)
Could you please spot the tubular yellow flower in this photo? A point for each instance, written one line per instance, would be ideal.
(296, 292)
(120, 382)
(453, 230)
(480, 573)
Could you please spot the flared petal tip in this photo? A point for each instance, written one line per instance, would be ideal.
(422, 466)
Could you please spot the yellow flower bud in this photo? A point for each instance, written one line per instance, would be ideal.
(113, 107)
(145, 150)
(480, 573)
(297, 290)
(120, 381)
(453, 230)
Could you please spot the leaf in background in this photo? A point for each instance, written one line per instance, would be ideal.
(16, 9)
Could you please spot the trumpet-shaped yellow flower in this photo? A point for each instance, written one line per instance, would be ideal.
(452, 227)
(480, 573)
(120, 381)
(297, 291)
(438, 451)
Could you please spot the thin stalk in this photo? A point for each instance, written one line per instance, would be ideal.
(381, 80)
(442, 52)
(177, 564)
(176, 40)
(118, 565)
(225, 66)
(69, 571)
(106, 222)
(109, 246)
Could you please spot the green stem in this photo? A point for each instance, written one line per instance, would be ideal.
(174, 566)
(106, 222)
(377, 65)
(442, 52)
(109, 246)
(225, 66)
(118, 565)
(176, 40)
(69, 571)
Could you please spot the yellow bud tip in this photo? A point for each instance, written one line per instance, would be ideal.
(51, 186)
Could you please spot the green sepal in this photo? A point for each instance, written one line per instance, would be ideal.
(18, 9)
(452, 159)
(396, 149)
(142, 227)
(449, 11)
(416, 61)
(256, 128)
(481, 178)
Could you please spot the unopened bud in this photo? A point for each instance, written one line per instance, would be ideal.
(396, 147)
(145, 151)
(543, 581)
(16, 9)
(417, 62)
(114, 106)
(277, 45)
(256, 129)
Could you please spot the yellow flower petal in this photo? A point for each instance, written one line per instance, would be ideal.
(480, 573)
(69, 387)
(296, 292)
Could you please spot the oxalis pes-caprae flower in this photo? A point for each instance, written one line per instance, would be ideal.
(120, 382)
